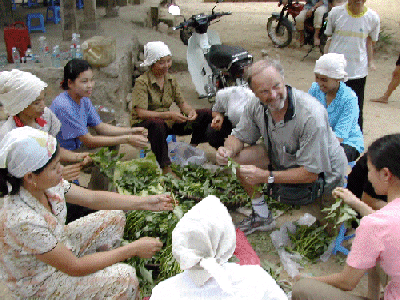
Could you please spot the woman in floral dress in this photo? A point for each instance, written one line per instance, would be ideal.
(40, 256)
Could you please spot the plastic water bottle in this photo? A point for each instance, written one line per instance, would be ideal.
(78, 54)
(75, 42)
(16, 57)
(56, 57)
(44, 52)
(72, 52)
(29, 56)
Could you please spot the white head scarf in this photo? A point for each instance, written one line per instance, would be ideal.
(18, 90)
(153, 51)
(203, 240)
(25, 150)
(331, 65)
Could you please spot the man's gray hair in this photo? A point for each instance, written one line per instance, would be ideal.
(261, 65)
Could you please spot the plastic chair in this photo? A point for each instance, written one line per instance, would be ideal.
(30, 3)
(170, 138)
(339, 240)
(79, 4)
(40, 27)
(14, 6)
(56, 17)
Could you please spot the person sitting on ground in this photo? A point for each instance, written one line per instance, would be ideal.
(76, 113)
(152, 96)
(303, 148)
(377, 237)
(227, 110)
(394, 83)
(41, 257)
(319, 8)
(340, 101)
(359, 185)
(23, 95)
(202, 242)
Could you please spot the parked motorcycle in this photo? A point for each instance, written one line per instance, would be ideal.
(281, 29)
(212, 66)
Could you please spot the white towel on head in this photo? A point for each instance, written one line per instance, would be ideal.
(153, 51)
(203, 240)
(18, 90)
(25, 150)
(331, 65)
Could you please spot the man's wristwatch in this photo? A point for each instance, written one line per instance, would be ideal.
(271, 177)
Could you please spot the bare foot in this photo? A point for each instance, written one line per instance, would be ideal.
(317, 41)
(381, 100)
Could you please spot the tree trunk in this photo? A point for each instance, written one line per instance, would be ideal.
(6, 13)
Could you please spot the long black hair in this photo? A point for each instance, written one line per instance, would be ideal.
(385, 153)
(16, 183)
(73, 69)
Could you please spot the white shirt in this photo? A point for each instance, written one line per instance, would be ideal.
(349, 34)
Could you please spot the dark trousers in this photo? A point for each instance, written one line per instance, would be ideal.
(158, 132)
(216, 138)
(358, 86)
(351, 153)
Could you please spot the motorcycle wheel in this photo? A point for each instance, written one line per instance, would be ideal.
(185, 34)
(281, 37)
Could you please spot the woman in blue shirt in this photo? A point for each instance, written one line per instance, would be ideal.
(340, 101)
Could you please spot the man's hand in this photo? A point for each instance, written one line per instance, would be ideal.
(192, 115)
(222, 155)
(138, 141)
(159, 203)
(177, 117)
(252, 175)
(217, 122)
(371, 66)
(309, 13)
(145, 247)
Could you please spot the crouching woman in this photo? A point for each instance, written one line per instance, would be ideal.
(43, 258)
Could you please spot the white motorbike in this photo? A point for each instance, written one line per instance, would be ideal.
(212, 66)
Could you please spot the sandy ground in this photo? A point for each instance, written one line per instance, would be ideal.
(246, 27)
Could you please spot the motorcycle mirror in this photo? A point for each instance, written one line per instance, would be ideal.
(174, 10)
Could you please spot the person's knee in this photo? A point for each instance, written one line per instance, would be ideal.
(302, 289)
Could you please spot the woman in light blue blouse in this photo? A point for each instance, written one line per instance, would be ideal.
(340, 101)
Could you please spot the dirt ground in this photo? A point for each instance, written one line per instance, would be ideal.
(246, 27)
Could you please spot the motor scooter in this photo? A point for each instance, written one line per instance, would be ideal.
(212, 66)
(281, 29)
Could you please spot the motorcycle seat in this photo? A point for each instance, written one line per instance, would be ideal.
(223, 56)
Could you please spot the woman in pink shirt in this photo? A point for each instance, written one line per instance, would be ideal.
(377, 238)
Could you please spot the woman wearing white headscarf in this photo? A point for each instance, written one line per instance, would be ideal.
(202, 242)
(22, 95)
(340, 101)
(152, 96)
(41, 257)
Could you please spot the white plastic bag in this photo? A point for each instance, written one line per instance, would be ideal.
(184, 154)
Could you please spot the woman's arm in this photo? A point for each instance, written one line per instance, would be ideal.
(71, 156)
(349, 198)
(102, 200)
(94, 141)
(64, 260)
(346, 280)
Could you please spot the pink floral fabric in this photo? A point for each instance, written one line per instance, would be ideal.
(27, 228)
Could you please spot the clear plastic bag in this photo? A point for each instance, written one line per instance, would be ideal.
(184, 154)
